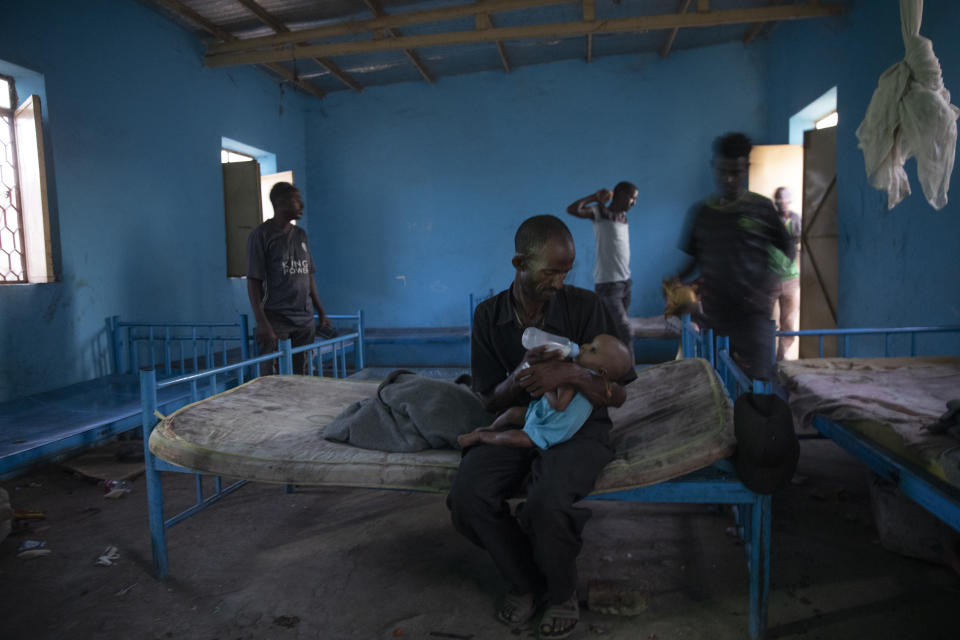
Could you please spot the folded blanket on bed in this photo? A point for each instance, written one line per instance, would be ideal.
(410, 413)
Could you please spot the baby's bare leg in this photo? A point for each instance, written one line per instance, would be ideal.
(515, 416)
(512, 416)
(508, 438)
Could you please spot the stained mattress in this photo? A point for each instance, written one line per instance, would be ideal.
(887, 401)
(676, 419)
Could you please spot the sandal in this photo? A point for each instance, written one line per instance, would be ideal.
(559, 620)
(516, 609)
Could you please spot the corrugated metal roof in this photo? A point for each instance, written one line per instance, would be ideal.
(346, 70)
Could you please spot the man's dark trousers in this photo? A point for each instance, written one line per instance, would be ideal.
(616, 298)
(298, 335)
(535, 551)
(751, 342)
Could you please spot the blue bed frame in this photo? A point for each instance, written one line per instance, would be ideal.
(171, 347)
(202, 384)
(717, 484)
(936, 496)
(56, 424)
(752, 511)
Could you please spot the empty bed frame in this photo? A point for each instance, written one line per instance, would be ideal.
(56, 424)
(878, 408)
(292, 450)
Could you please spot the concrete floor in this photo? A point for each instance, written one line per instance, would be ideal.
(348, 563)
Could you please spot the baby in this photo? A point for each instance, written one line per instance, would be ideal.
(557, 415)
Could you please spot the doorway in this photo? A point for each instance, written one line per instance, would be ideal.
(772, 167)
(808, 168)
(818, 241)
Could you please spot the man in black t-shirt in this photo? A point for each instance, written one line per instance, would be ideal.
(729, 236)
(535, 551)
(280, 285)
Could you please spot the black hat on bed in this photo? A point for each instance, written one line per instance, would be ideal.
(767, 445)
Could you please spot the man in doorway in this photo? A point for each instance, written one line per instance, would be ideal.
(280, 284)
(729, 236)
(611, 270)
(536, 549)
(786, 303)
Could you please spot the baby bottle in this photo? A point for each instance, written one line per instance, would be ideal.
(533, 337)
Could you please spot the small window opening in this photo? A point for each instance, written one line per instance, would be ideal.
(228, 155)
(829, 120)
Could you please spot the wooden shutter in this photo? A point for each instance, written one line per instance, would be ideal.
(241, 200)
(818, 243)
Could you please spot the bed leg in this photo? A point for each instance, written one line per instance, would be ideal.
(759, 563)
(148, 419)
(158, 532)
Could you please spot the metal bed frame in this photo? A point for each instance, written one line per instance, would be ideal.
(56, 424)
(245, 370)
(752, 511)
(939, 498)
(717, 484)
(176, 346)
(844, 337)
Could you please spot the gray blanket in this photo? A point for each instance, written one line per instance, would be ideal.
(410, 413)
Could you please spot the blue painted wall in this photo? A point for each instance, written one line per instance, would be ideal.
(413, 191)
(897, 267)
(134, 124)
(421, 188)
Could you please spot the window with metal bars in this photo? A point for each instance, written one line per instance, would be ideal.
(13, 267)
(26, 254)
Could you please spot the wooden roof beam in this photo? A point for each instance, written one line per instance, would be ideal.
(484, 21)
(754, 30)
(374, 6)
(354, 27)
(668, 43)
(218, 32)
(589, 15)
(271, 21)
(556, 30)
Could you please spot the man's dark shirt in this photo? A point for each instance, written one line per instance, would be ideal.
(731, 244)
(572, 312)
(282, 260)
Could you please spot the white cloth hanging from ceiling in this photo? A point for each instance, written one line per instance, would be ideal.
(910, 115)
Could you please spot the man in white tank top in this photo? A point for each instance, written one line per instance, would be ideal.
(611, 271)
